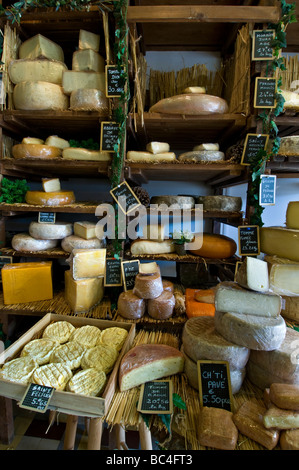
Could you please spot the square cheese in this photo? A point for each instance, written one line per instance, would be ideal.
(83, 294)
(51, 184)
(89, 40)
(85, 229)
(86, 263)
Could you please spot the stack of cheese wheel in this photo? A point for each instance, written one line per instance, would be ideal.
(32, 147)
(51, 195)
(203, 153)
(37, 76)
(153, 241)
(86, 235)
(150, 293)
(155, 152)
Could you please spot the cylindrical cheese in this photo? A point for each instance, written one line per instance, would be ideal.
(25, 242)
(35, 151)
(220, 203)
(215, 246)
(168, 285)
(73, 242)
(191, 104)
(89, 99)
(202, 156)
(148, 286)
(76, 153)
(23, 70)
(47, 231)
(181, 202)
(130, 306)
(38, 96)
(57, 198)
(151, 247)
(292, 215)
(161, 307)
(280, 241)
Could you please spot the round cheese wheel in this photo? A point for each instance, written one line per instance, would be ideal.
(55, 198)
(220, 203)
(47, 231)
(40, 95)
(161, 307)
(202, 156)
(252, 331)
(202, 341)
(25, 242)
(168, 285)
(23, 70)
(130, 306)
(148, 286)
(89, 99)
(215, 246)
(191, 104)
(74, 242)
(35, 151)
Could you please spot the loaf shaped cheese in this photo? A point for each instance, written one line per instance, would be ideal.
(191, 104)
(157, 147)
(83, 294)
(89, 40)
(217, 429)
(214, 246)
(51, 184)
(76, 79)
(86, 263)
(88, 60)
(146, 362)
(278, 418)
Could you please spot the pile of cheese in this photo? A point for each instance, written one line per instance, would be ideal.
(150, 294)
(156, 152)
(65, 357)
(43, 82)
(208, 152)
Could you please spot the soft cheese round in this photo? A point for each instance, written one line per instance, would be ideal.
(89, 382)
(47, 231)
(19, 370)
(39, 349)
(59, 331)
(130, 306)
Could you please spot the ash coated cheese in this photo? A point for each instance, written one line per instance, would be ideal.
(51, 184)
(83, 294)
(180, 202)
(285, 396)
(74, 80)
(24, 70)
(217, 429)
(130, 306)
(56, 141)
(148, 157)
(157, 147)
(284, 279)
(40, 46)
(161, 307)
(47, 231)
(230, 297)
(201, 156)
(27, 243)
(292, 214)
(89, 40)
(214, 147)
(77, 153)
(39, 96)
(85, 229)
(220, 203)
(148, 286)
(202, 341)
(149, 247)
(147, 362)
(253, 274)
(89, 100)
(88, 60)
(73, 242)
(87, 263)
(54, 198)
(191, 104)
(42, 151)
(251, 331)
(280, 241)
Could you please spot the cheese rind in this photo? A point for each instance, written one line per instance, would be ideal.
(77, 153)
(89, 100)
(157, 147)
(253, 275)
(263, 378)
(278, 418)
(38, 96)
(74, 242)
(217, 429)
(289, 439)
(230, 297)
(284, 279)
(289, 145)
(285, 396)
(180, 202)
(25, 242)
(48, 231)
(280, 241)
(191, 104)
(220, 203)
(86, 263)
(161, 307)
(83, 294)
(74, 80)
(292, 214)
(130, 305)
(40, 46)
(202, 156)
(55, 198)
(148, 287)
(88, 60)
(89, 40)
(251, 331)
(214, 246)
(146, 362)
(23, 70)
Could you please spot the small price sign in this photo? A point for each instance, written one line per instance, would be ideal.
(267, 190)
(214, 384)
(265, 92)
(115, 81)
(113, 272)
(156, 397)
(37, 398)
(262, 44)
(130, 269)
(249, 240)
(46, 217)
(125, 198)
(109, 136)
(253, 144)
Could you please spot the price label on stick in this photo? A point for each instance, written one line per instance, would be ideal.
(125, 198)
(214, 384)
(109, 136)
(37, 398)
(156, 397)
(253, 144)
(265, 92)
(113, 272)
(130, 269)
(46, 217)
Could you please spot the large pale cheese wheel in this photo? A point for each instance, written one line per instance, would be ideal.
(74, 80)
(89, 99)
(40, 46)
(25, 242)
(180, 202)
(280, 241)
(147, 362)
(23, 70)
(77, 153)
(130, 306)
(148, 286)
(20, 151)
(251, 331)
(237, 376)
(191, 104)
(161, 307)
(202, 341)
(55, 198)
(292, 214)
(39, 96)
(215, 246)
(74, 242)
(196, 156)
(220, 203)
(47, 231)
(150, 247)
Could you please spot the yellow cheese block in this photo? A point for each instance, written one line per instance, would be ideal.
(88, 263)
(27, 282)
(280, 241)
(292, 215)
(83, 294)
(53, 198)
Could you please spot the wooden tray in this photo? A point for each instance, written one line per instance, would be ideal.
(67, 402)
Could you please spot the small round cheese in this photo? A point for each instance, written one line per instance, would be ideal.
(47, 231)
(73, 242)
(130, 306)
(148, 286)
(24, 242)
(161, 307)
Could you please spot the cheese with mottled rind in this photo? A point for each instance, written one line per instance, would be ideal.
(73, 242)
(48, 231)
(220, 203)
(202, 156)
(25, 242)
(180, 202)
(23, 70)
(39, 96)
(42, 151)
(89, 99)
(191, 104)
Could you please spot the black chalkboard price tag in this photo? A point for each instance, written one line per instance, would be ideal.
(156, 397)
(214, 384)
(115, 81)
(46, 217)
(4, 260)
(252, 145)
(265, 92)
(125, 198)
(267, 190)
(262, 44)
(37, 398)
(113, 272)
(249, 240)
(109, 136)
(129, 269)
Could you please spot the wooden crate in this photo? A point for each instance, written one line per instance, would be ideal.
(63, 401)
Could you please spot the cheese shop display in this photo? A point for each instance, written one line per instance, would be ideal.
(199, 104)
(77, 153)
(214, 246)
(292, 215)
(148, 157)
(39, 46)
(280, 241)
(39, 96)
(27, 282)
(49, 231)
(174, 202)
(27, 243)
(73, 242)
(20, 151)
(53, 198)
(220, 203)
(88, 99)
(86, 263)
(26, 70)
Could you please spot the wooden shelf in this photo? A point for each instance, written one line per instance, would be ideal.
(77, 208)
(51, 253)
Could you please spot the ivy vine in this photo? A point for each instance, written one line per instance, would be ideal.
(258, 164)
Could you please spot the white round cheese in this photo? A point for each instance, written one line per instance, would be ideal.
(73, 242)
(40, 95)
(202, 156)
(251, 331)
(25, 242)
(23, 70)
(47, 231)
